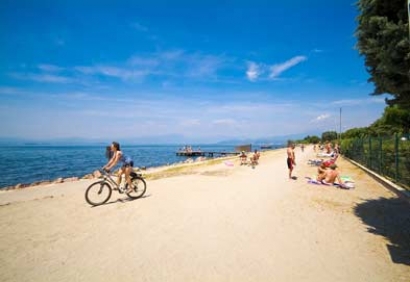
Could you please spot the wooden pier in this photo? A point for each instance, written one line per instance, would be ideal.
(211, 154)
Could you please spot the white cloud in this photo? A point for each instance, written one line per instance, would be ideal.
(253, 71)
(170, 55)
(225, 122)
(354, 102)
(172, 64)
(143, 61)
(277, 69)
(321, 118)
(139, 27)
(50, 68)
(191, 123)
(118, 72)
(12, 91)
(198, 65)
(46, 78)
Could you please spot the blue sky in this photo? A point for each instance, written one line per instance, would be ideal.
(202, 70)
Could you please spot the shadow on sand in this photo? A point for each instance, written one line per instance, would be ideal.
(122, 200)
(389, 218)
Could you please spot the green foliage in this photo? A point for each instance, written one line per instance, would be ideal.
(387, 155)
(383, 39)
(311, 139)
(329, 136)
(355, 133)
(398, 118)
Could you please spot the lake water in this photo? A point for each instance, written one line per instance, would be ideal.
(28, 164)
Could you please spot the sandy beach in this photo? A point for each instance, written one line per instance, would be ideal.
(210, 223)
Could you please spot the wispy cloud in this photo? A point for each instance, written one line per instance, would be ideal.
(12, 91)
(49, 68)
(139, 61)
(168, 65)
(321, 118)
(277, 69)
(139, 27)
(42, 77)
(225, 122)
(112, 71)
(190, 123)
(317, 50)
(178, 63)
(253, 71)
(354, 102)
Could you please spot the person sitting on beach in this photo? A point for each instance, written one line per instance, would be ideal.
(126, 165)
(255, 157)
(328, 147)
(243, 158)
(332, 174)
(321, 172)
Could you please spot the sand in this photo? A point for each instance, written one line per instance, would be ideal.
(215, 223)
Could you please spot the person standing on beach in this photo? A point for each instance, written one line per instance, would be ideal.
(291, 158)
(126, 167)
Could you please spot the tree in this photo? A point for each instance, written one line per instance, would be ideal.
(383, 39)
(356, 132)
(329, 136)
(312, 139)
(395, 119)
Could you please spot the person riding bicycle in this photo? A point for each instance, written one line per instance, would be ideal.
(126, 167)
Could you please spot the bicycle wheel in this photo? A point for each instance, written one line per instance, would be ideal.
(98, 193)
(140, 188)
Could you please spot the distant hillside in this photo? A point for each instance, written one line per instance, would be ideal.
(169, 139)
(273, 140)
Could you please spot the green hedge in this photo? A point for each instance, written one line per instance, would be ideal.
(387, 155)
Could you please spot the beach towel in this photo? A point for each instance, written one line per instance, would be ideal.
(228, 163)
(348, 182)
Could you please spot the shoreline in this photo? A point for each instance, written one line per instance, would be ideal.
(147, 172)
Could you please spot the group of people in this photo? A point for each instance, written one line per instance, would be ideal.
(328, 173)
(189, 149)
(254, 159)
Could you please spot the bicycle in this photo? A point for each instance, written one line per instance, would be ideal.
(100, 192)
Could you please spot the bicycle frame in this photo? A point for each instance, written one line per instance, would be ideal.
(107, 177)
(108, 181)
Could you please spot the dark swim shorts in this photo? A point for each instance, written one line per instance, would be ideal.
(290, 163)
(128, 164)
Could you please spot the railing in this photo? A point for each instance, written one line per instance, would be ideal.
(388, 156)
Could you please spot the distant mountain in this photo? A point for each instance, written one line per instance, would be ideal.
(10, 141)
(166, 139)
(273, 140)
(77, 141)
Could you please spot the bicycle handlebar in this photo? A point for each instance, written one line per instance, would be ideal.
(105, 172)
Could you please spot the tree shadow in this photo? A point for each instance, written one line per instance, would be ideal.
(389, 218)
